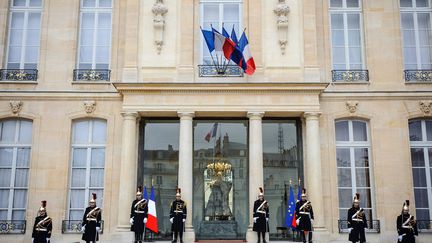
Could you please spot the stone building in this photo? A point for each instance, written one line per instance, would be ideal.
(105, 95)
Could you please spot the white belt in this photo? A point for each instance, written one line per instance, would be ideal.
(407, 227)
(41, 229)
(259, 211)
(178, 211)
(360, 220)
(304, 213)
(139, 211)
(91, 219)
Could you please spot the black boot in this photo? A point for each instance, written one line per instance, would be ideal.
(310, 237)
(259, 238)
(263, 236)
(303, 237)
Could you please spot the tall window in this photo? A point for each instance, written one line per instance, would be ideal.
(95, 34)
(24, 34)
(353, 155)
(215, 13)
(417, 33)
(87, 165)
(421, 158)
(15, 146)
(346, 34)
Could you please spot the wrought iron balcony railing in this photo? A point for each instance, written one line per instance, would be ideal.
(12, 226)
(91, 74)
(75, 226)
(424, 226)
(215, 71)
(421, 75)
(350, 75)
(18, 74)
(373, 226)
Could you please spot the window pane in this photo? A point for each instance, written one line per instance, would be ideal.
(7, 133)
(354, 38)
(103, 37)
(23, 157)
(430, 157)
(343, 157)
(419, 177)
(353, 21)
(339, 55)
(352, 3)
(25, 133)
(88, 20)
(105, 3)
(211, 13)
(33, 22)
(338, 38)
(423, 214)
(35, 3)
(361, 157)
(21, 178)
(342, 133)
(337, 21)
(86, 54)
(99, 131)
(77, 198)
(14, 56)
(421, 198)
(81, 131)
(31, 55)
(102, 54)
(407, 21)
(362, 177)
(345, 198)
(355, 56)
(6, 156)
(4, 198)
(422, 3)
(79, 157)
(231, 13)
(417, 157)
(18, 214)
(98, 158)
(15, 38)
(76, 214)
(409, 38)
(96, 177)
(360, 131)
(406, 3)
(89, 3)
(344, 177)
(425, 56)
(20, 198)
(423, 20)
(17, 21)
(19, 3)
(86, 38)
(336, 3)
(415, 131)
(78, 178)
(5, 177)
(365, 198)
(104, 20)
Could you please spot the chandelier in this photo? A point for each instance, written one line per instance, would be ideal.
(218, 167)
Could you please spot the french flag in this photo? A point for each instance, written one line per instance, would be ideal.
(152, 222)
(212, 133)
(247, 56)
(223, 44)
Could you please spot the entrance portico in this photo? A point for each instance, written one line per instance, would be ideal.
(252, 101)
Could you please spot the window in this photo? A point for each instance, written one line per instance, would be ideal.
(217, 13)
(347, 35)
(15, 147)
(95, 34)
(24, 34)
(417, 33)
(87, 165)
(353, 155)
(420, 132)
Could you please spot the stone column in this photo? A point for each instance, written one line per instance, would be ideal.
(128, 168)
(256, 169)
(313, 166)
(185, 173)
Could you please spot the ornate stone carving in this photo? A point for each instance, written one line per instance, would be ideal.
(159, 10)
(281, 11)
(89, 106)
(426, 107)
(16, 106)
(352, 105)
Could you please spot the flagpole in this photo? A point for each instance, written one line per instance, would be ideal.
(211, 55)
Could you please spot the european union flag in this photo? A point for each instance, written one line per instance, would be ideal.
(290, 218)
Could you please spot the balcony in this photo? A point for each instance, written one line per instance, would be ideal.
(18, 75)
(12, 226)
(420, 75)
(223, 71)
(91, 75)
(373, 226)
(424, 226)
(75, 226)
(350, 76)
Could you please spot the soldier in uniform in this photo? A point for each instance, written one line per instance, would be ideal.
(91, 221)
(178, 213)
(42, 227)
(305, 217)
(261, 216)
(357, 221)
(138, 215)
(406, 225)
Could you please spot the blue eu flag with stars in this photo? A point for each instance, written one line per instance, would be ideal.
(290, 214)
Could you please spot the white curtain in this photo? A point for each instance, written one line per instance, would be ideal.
(7, 133)
(23, 157)
(20, 198)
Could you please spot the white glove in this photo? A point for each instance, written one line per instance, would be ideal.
(298, 221)
(172, 220)
(349, 230)
(145, 220)
(83, 229)
(255, 220)
(47, 239)
(400, 238)
(32, 240)
(267, 219)
(98, 229)
(131, 221)
(184, 220)
(312, 220)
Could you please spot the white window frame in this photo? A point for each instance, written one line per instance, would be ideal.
(414, 10)
(15, 146)
(89, 146)
(27, 9)
(352, 145)
(96, 10)
(347, 10)
(425, 145)
(221, 17)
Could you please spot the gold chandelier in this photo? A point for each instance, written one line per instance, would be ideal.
(218, 167)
